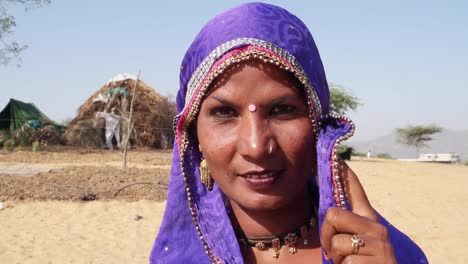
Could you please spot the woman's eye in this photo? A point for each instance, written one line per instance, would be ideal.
(283, 109)
(224, 112)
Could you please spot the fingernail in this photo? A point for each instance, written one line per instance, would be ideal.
(326, 254)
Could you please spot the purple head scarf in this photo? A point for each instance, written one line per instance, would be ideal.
(196, 227)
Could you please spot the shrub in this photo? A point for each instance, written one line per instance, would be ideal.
(36, 146)
(9, 145)
(384, 156)
(465, 162)
(344, 151)
(22, 137)
(5, 134)
(359, 154)
(48, 135)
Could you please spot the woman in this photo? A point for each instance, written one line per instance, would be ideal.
(254, 177)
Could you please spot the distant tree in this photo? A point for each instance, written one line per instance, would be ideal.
(11, 50)
(417, 136)
(384, 156)
(341, 101)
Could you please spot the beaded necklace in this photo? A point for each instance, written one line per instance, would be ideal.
(288, 238)
(277, 241)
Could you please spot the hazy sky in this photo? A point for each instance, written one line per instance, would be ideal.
(407, 62)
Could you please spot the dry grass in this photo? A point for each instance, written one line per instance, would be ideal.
(85, 130)
(87, 171)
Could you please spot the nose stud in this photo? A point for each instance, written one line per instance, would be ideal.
(270, 149)
(252, 108)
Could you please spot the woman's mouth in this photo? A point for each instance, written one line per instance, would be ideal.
(261, 180)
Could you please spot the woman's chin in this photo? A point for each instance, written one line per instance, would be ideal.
(262, 202)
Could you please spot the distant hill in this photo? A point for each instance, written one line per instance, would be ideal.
(448, 141)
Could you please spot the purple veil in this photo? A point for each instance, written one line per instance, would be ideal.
(196, 227)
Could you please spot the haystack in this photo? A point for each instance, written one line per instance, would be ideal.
(149, 129)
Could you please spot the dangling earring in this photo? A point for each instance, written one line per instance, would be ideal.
(205, 176)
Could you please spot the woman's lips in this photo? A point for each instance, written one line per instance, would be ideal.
(261, 180)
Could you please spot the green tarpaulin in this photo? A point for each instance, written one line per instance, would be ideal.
(16, 114)
(119, 90)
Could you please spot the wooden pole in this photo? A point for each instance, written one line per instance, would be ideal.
(129, 130)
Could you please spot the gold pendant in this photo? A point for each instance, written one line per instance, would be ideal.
(292, 250)
(260, 246)
(276, 247)
(290, 239)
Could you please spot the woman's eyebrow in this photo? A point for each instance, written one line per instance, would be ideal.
(221, 100)
(274, 101)
(284, 98)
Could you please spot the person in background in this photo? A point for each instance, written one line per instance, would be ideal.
(112, 127)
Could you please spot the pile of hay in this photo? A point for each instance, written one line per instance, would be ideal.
(88, 131)
(47, 135)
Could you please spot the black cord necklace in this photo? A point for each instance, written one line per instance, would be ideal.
(277, 241)
(288, 238)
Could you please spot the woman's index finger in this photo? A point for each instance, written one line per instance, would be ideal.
(355, 193)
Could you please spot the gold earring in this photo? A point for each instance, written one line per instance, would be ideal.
(205, 176)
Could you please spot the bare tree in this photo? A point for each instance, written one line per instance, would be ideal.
(10, 50)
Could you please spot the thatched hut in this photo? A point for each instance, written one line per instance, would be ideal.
(151, 124)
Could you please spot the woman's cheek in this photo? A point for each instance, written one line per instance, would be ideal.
(221, 137)
(295, 139)
(219, 147)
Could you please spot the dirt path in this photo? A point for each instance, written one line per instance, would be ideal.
(29, 169)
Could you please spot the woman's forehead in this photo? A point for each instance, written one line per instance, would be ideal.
(254, 73)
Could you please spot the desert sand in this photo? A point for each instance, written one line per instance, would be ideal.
(425, 201)
(72, 232)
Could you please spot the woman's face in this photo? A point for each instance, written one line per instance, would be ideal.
(251, 110)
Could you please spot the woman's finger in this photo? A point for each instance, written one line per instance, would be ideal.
(342, 246)
(338, 221)
(355, 194)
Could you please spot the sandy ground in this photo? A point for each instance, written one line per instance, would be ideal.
(51, 225)
(427, 202)
(70, 232)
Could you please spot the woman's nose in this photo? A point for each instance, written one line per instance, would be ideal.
(255, 140)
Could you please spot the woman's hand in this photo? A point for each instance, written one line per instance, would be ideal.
(371, 241)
